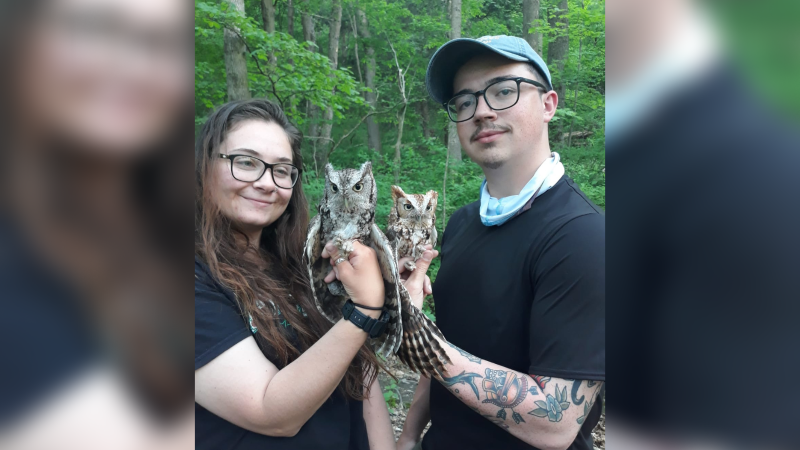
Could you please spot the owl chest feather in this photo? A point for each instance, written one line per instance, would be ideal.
(411, 239)
(344, 225)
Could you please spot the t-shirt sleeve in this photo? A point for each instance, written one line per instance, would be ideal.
(218, 325)
(567, 338)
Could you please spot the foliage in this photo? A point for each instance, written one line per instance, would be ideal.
(391, 394)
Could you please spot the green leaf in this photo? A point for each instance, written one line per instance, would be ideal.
(538, 412)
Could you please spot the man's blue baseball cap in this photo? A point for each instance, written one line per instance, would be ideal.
(452, 55)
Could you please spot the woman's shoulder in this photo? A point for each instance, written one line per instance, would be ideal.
(201, 270)
(206, 285)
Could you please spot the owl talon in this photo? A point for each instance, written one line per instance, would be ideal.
(345, 247)
(410, 265)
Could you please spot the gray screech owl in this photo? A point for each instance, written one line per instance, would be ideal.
(412, 223)
(347, 213)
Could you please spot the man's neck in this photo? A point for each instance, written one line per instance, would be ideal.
(509, 179)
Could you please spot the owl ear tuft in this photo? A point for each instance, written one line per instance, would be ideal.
(434, 195)
(397, 192)
(366, 168)
(328, 170)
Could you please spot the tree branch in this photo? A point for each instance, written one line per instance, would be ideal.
(371, 113)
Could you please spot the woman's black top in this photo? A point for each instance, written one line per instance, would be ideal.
(219, 325)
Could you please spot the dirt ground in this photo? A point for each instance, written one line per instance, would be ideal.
(407, 384)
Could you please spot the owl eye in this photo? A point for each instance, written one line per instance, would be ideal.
(408, 207)
(428, 208)
(358, 186)
(334, 187)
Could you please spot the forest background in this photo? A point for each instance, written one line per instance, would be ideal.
(350, 74)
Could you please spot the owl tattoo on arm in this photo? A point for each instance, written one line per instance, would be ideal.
(412, 223)
(346, 214)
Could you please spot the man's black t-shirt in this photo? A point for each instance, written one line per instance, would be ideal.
(219, 325)
(528, 295)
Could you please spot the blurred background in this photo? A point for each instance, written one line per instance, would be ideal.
(703, 253)
(96, 315)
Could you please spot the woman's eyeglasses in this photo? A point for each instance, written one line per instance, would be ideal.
(249, 169)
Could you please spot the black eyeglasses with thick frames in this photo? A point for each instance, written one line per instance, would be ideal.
(249, 169)
(500, 95)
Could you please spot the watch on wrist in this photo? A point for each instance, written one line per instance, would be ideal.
(373, 327)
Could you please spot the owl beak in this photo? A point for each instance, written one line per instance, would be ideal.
(346, 206)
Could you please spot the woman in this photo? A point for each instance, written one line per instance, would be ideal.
(270, 371)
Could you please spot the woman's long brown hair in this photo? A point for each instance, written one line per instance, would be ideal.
(281, 276)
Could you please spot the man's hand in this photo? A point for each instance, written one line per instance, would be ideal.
(417, 282)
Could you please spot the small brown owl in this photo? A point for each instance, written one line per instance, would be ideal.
(412, 223)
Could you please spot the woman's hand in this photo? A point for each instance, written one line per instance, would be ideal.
(360, 274)
(417, 282)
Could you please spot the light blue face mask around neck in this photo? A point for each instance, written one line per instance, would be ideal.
(496, 211)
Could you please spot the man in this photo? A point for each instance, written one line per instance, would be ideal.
(520, 292)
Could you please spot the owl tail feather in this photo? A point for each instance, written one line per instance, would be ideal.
(419, 349)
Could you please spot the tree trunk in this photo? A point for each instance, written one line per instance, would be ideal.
(333, 55)
(373, 131)
(309, 35)
(425, 115)
(530, 15)
(235, 62)
(401, 118)
(312, 111)
(268, 15)
(290, 17)
(354, 25)
(453, 144)
(558, 50)
(577, 85)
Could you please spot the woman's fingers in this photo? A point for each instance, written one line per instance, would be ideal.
(359, 273)
(330, 276)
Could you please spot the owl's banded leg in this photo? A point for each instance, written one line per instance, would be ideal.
(419, 249)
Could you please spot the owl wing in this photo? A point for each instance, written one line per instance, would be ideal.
(420, 350)
(413, 333)
(389, 342)
(434, 236)
(318, 267)
(391, 236)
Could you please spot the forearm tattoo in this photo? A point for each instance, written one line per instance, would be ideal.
(508, 389)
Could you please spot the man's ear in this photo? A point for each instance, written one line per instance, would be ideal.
(549, 105)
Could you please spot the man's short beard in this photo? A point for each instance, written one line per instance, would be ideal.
(491, 164)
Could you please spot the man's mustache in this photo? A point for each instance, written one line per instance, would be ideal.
(492, 127)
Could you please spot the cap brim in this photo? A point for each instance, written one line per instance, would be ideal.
(449, 58)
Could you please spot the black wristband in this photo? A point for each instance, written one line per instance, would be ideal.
(368, 307)
(373, 327)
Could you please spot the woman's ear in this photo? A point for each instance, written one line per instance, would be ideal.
(549, 105)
